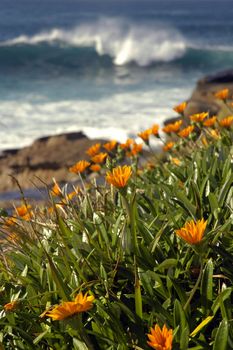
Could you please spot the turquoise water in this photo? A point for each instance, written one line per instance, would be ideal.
(108, 68)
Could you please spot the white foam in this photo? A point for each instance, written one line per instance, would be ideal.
(211, 48)
(123, 40)
(115, 117)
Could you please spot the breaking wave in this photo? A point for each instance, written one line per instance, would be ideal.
(122, 41)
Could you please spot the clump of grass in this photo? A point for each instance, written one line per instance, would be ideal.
(141, 260)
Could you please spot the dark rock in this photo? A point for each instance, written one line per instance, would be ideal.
(224, 77)
(72, 136)
(9, 152)
(171, 120)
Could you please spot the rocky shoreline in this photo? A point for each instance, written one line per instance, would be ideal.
(50, 157)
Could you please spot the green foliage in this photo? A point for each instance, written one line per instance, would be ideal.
(122, 247)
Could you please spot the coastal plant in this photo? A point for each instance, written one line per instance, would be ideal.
(139, 258)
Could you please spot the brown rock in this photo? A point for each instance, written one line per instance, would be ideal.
(202, 98)
(46, 158)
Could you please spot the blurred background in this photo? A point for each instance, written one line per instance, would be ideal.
(108, 68)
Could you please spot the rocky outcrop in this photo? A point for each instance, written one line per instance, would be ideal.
(46, 158)
(202, 98)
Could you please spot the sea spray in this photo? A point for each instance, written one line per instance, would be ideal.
(115, 37)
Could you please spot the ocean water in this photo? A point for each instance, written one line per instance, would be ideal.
(109, 68)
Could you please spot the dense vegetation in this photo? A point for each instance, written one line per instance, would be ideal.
(148, 252)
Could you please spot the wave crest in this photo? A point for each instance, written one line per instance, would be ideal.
(122, 40)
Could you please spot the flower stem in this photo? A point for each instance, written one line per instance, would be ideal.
(82, 332)
(194, 288)
(131, 211)
(137, 291)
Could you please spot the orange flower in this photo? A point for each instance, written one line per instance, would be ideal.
(109, 146)
(11, 306)
(222, 94)
(199, 117)
(127, 144)
(186, 131)
(79, 167)
(95, 167)
(51, 210)
(119, 176)
(168, 146)
(24, 212)
(56, 190)
(155, 129)
(160, 339)
(99, 158)
(210, 121)
(129, 154)
(172, 127)
(93, 150)
(226, 122)
(61, 205)
(175, 161)
(192, 232)
(69, 308)
(11, 221)
(180, 108)
(137, 148)
(145, 135)
(72, 194)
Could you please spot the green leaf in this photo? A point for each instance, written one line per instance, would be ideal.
(180, 292)
(225, 189)
(99, 222)
(214, 166)
(62, 288)
(184, 339)
(180, 320)
(116, 229)
(146, 283)
(225, 294)
(185, 203)
(205, 186)
(207, 286)
(220, 342)
(66, 232)
(40, 336)
(166, 264)
(79, 345)
(197, 197)
(226, 168)
(213, 204)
